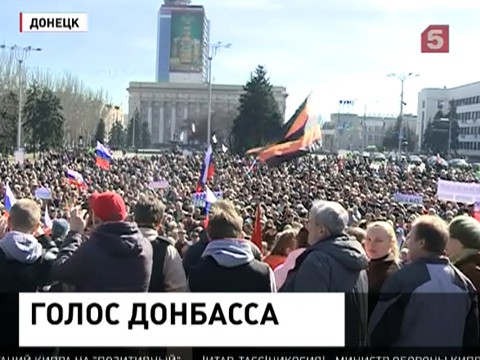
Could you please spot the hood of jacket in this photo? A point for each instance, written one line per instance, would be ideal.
(152, 235)
(21, 247)
(229, 252)
(346, 251)
(122, 239)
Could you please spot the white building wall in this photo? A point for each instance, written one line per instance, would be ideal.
(468, 113)
(176, 99)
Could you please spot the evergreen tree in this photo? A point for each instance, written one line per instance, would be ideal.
(138, 130)
(390, 140)
(258, 121)
(43, 118)
(8, 121)
(117, 136)
(100, 133)
(437, 132)
(145, 138)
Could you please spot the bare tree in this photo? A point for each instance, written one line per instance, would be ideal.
(82, 107)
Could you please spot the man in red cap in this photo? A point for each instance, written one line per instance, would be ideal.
(115, 258)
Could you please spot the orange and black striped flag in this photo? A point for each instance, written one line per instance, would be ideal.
(301, 132)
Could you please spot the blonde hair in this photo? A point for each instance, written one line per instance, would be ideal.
(224, 221)
(388, 228)
(285, 240)
(25, 216)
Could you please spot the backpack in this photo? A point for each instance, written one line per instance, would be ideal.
(159, 246)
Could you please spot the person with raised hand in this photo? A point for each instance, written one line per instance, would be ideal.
(116, 257)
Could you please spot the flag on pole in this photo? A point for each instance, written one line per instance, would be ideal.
(182, 136)
(210, 199)
(214, 139)
(47, 219)
(193, 128)
(257, 229)
(224, 148)
(9, 198)
(103, 156)
(207, 170)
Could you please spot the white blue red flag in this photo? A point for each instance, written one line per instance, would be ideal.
(9, 198)
(103, 156)
(207, 170)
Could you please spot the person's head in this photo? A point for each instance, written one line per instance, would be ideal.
(326, 219)
(60, 229)
(107, 207)
(148, 212)
(224, 221)
(381, 240)
(24, 216)
(358, 233)
(285, 243)
(428, 237)
(464, 234)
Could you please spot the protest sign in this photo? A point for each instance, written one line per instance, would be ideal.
(408, 199)
(43, 193)
(198, 199)
(462, 192)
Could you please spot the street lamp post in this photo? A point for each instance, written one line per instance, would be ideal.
(213, 50)
(402, 128)
(449, 135)
(21, 54)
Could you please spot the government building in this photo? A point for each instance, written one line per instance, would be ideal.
(169, 108)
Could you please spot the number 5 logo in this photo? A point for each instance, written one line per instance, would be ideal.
(435, 39)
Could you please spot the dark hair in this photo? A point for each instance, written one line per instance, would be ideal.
(302, 238)
(434, 231)
(149, 211)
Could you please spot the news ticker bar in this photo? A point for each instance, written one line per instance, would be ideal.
(53, 22)
(177, 320)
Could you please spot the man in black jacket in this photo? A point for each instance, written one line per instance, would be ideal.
(228, 263)
(194, 252)
(116, 257)
(334, 262)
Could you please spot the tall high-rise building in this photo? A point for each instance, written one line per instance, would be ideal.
(182, 43)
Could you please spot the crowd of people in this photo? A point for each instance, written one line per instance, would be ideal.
(410, 272)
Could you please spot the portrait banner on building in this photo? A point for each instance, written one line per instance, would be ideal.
(186, 41)
(461, 192)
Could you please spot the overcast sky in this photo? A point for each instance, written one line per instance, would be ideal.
(340, 49)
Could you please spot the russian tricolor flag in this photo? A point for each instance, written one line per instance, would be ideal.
(207, 170)
(76, 178)
(103, 156)
(9, 198)
(210, 198)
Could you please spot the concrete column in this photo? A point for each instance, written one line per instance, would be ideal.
(161, 137)
(174, 121)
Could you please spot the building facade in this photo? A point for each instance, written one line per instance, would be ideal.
(182, 43)
(166, 107)
(357, 132)
(466, 99)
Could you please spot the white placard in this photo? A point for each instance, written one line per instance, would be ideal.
(324, 311)
(19, 156)
(456, 191)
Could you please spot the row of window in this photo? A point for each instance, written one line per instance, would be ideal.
(470, 115)
(468, 145)
(466, 101)
(469, 130)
